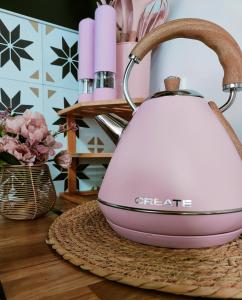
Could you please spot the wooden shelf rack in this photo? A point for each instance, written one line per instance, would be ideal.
(93, 158)
(89, 109)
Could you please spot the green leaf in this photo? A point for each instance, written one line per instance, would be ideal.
(1, 132)
(9, 158)
(2, 163)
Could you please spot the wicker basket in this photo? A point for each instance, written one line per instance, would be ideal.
(26, 192)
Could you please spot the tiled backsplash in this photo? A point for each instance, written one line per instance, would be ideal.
(38, 70)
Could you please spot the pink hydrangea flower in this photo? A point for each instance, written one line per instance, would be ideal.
(46, 149)
(27, 138)
(9, 143)
(20, 151)
(40, 157)
(52, 144)
(34, 128)
(14, 124)
(63, 159)
(23, 153)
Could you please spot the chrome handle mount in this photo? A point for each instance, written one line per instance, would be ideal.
(232, 88)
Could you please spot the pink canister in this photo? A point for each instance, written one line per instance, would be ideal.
(139, 82)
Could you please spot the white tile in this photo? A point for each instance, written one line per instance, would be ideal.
(20, 96)
(101, 143)
(45, 81)
(20, 48)
(85, 182)
(95, 174)
(59, 178)
(56, 99)
(60, 55)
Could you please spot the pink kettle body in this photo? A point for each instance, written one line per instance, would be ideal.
(175, 179)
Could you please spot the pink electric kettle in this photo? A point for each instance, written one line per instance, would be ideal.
(175, 179)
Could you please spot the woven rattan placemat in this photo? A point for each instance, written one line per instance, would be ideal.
(83, 237)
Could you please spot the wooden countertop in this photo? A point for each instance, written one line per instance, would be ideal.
(31, 270)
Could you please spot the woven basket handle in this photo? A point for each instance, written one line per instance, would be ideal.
(212, 35)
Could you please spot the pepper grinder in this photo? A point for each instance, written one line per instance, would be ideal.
(105, 53)
(86, 65)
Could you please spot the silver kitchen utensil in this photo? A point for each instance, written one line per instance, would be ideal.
(154, 14)
(138, 8)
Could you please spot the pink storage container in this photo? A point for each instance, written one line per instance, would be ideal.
(139, 82)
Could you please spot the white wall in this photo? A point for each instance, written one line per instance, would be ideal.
(196, 64)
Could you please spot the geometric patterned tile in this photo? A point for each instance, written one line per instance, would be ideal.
(20, 49)
(38, 70)
(95, 145)
(62, 175)
(95, 174)
(59, 184)
(54, 99)
(60, 55)
(88, 177)
(20, 96)
(95, 137)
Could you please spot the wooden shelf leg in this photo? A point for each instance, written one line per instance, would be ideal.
(71, 141)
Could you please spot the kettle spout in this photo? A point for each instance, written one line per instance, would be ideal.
(112, 124)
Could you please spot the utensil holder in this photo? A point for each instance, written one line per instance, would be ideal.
(139, 82)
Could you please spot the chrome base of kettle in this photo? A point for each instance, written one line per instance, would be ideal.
(175, 241)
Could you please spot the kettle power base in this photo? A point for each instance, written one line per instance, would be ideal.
(171, 241)
(83, 237)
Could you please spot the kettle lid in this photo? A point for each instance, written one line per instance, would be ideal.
(172, 84)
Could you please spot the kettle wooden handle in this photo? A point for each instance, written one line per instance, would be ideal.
(212, 35)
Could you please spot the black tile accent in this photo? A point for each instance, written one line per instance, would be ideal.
(15, 34)
(12, 46)
(64, 175)
(67, 58)
(14, 104)
(62, 120)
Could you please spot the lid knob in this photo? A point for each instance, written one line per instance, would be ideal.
(172, 83)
